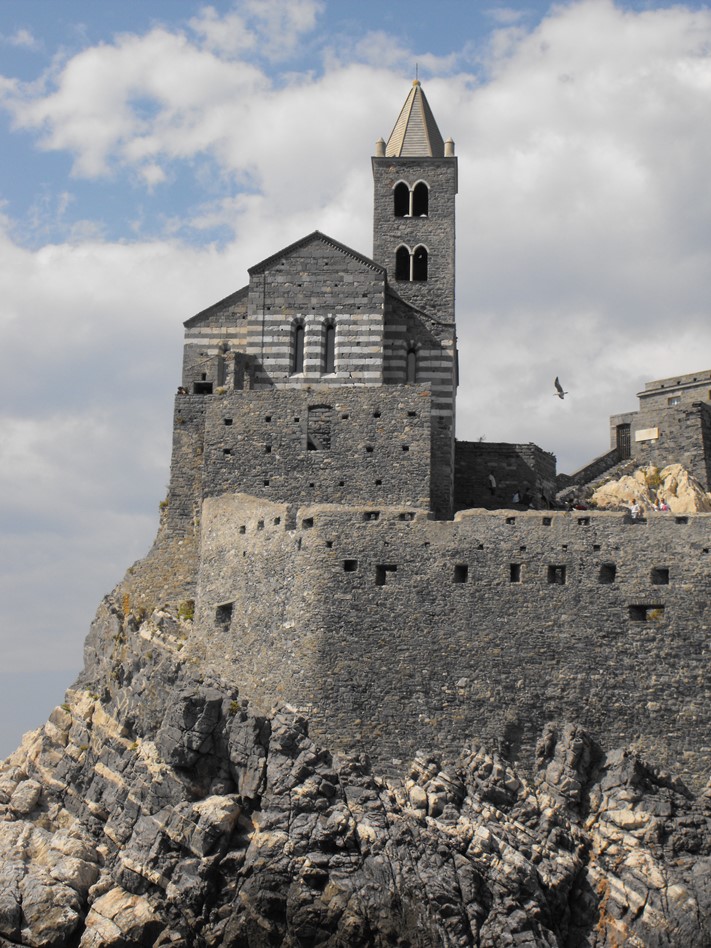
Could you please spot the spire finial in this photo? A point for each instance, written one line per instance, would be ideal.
(417, 75)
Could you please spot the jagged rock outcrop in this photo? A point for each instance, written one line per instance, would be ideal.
(154, 809)
(648, 485)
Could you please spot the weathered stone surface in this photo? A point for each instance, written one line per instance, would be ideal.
(216, 827)
(675, 486)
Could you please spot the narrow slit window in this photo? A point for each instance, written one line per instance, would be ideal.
(461, 573)
(411, 369)
(329, 358)
(515, 572)
(297, 355)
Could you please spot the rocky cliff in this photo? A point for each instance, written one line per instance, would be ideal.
(155, 809)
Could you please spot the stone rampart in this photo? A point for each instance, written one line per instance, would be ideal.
(346, 445)
(396, 632)
(516, 468)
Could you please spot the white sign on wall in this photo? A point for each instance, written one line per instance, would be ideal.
(646, 434)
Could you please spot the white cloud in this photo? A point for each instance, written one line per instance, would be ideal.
(22, 38)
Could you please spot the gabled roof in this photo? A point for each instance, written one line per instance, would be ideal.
(216, 307)
(415, 134)
(310, 238)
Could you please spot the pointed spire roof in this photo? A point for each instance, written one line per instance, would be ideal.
(415, 134)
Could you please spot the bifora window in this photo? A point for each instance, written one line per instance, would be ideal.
(411, 266)
(411, 202)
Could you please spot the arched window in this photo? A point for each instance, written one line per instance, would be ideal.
(419, 264)
(411, 366)
(402, 263)
(297, 349)
(401, 196)
(329, 352)
(420, 200)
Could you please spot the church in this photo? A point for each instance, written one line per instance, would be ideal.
(348, 557)
(337, 373)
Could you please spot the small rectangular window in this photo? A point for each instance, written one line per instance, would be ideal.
(381, 573)
(547, 521)
(223, 614)
(660, 576)
(674, 400)
(243, 529)
(646, 613)
(461, 573)
(515, 572)
(556, 575)
(407, 515)
(510, 520)
(584, 521)
(681, 519)
(608, 571)
(260, 525)
(371, 515)
(227, 451)
(228, 421)
(350, 566)
(307, 523)
(267, 449)
(406, 448)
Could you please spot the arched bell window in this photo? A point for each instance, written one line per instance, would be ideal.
(401, 197)
(402, 263)
(420, 200)
(411, 202)
(297, 348)
(419, 264)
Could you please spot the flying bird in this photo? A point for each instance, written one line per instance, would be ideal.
(559, 388)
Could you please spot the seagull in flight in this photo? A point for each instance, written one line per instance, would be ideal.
(559, 388)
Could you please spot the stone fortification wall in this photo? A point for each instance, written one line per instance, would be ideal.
(678, 434)
(350, 445)
(397, 632)
(436, 231)
(185, 492)
(516, 468)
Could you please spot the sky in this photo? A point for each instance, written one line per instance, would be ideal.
(151, 151)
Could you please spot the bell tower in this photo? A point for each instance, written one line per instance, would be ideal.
(415, 178)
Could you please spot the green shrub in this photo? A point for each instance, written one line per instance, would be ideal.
(186, 609)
